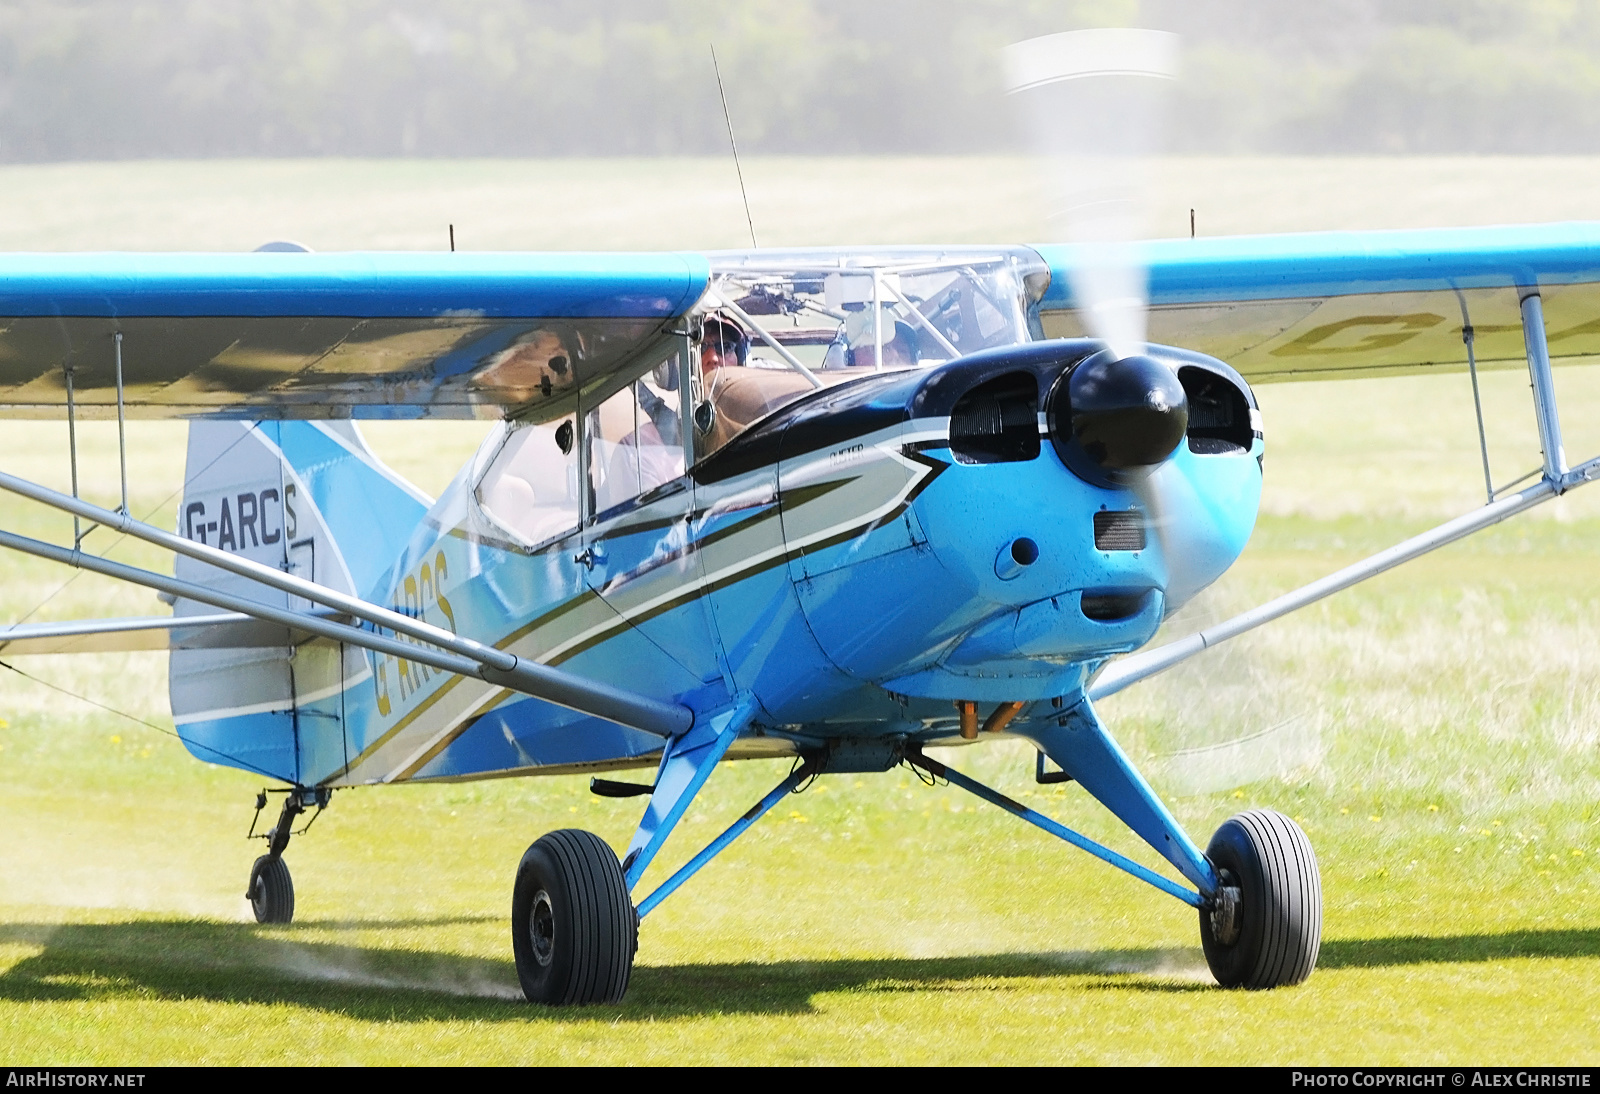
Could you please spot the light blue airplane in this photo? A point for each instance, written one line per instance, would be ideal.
(835, 505)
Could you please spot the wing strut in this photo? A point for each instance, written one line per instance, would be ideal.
(492, 664)
(1468, 338)
(1140, 666)
(456, 655)
(1557, 478)
(1544, 389)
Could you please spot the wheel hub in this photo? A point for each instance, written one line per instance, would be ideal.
(1225, 912)
(542, 927)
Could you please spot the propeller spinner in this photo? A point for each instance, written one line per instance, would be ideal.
(1113, 419)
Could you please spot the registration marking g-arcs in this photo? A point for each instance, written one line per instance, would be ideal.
(418, 591)
(249, 518)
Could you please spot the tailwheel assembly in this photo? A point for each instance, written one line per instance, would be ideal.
(1264, 926)
(271, 889)
(573, 927)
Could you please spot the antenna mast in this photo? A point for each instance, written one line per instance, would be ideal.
(728, 118)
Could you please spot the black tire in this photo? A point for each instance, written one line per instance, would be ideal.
(1277, 928)
(573, 927)
(271, 890)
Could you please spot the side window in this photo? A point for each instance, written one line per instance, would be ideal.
(635, 440)
(531, 488)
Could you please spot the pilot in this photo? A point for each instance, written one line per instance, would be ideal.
(722, 342)
(736, 394)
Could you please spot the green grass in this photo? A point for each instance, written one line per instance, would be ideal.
(652, 204)
(1436, 731)
(890, 924)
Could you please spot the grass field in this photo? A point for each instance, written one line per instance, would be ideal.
(1436, 731)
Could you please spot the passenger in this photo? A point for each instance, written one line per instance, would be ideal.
(900, 349)
(662, 413)
(639, 462)
(736, 394)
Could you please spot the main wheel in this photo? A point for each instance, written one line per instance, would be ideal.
(1264, 928)
(271, 890)
(573, 927)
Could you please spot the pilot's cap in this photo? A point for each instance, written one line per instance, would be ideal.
(721, 331)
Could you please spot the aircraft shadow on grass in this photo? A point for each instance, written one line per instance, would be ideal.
(238, 963)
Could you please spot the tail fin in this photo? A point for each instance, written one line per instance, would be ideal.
(309, 498)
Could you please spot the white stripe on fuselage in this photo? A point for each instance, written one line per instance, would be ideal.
(286, 705)
(461, 715)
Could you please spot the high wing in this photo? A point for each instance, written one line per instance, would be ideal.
(461, 335)
(1343, 304)
(300, 335)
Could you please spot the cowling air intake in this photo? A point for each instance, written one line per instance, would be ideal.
(1113, 420)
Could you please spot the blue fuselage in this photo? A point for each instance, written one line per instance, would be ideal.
(861, 562)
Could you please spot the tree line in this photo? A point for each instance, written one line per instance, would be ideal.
(117, 79)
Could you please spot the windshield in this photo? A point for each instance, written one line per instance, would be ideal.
(781, 324)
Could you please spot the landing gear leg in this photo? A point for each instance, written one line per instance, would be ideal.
(271, 889)
(574, 928)
(1260, 893)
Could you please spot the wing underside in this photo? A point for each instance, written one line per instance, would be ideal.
(284, 335)
(1348, 304)
(488, 335)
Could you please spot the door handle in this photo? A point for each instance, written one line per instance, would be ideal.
(590, 556)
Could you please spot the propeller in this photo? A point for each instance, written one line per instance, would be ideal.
(1093, 104)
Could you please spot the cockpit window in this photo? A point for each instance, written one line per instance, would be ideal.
(784, 324)
(634, 440)
(836, 310)
(531, 487)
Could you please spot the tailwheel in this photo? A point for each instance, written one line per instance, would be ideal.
(1264, 927)
(271, 891)
(573, 927)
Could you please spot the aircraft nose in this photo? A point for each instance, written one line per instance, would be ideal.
(1112, 420)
